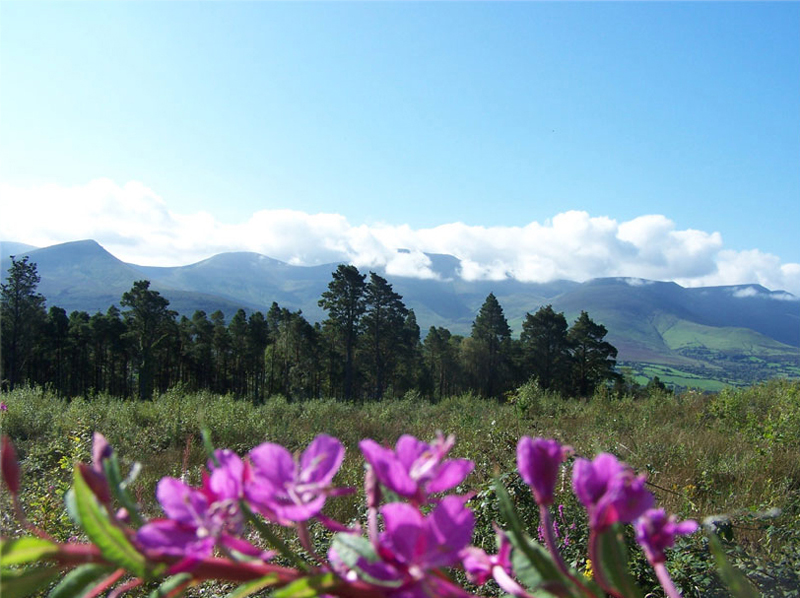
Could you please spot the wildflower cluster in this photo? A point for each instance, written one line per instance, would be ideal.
(418, 527)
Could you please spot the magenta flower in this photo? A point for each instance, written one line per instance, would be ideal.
(480, 567)
(656, 532)
(285, 490)
(412, 545)
(199, 518)
(101, 451)
(3, 406)
(416, 469)
(610, 491)
(538, 461)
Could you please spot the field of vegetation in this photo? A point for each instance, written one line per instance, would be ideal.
(732, 455)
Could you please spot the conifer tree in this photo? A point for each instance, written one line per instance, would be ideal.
(23, 316)
(382, 325)
(545, 348)
(345, 303)
(147, 318)
(593, 359)
(491, 348)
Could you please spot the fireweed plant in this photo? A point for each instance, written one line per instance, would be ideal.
(418, 529)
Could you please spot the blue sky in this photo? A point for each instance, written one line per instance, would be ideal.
(411, 123)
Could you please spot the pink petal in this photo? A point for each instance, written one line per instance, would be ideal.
(405, 532)
(181, 502)
(169, 537)
(409, 449)
(226, 480)
(388, 469)
(450, 527)
(273, 463)
(321, 460)
(450, 474)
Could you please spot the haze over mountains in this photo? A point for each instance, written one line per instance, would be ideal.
(648, 321)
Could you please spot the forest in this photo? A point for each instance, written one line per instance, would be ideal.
(369, 347)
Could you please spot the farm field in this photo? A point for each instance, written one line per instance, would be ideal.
(734, 453)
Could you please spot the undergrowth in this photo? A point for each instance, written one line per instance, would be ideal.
(733, 454)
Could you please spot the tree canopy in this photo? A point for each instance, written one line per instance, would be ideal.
(368, 347)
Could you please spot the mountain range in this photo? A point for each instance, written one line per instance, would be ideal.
(725, 334)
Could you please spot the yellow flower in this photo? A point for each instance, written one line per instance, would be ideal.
(588, 573)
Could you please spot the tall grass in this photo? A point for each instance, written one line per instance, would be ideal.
(735, 452)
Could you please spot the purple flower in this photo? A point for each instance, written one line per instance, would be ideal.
(416, 469)
(101, 451)
(656, 532)
(199, 518)
(610, 491)
(538, 461)
(3, 406)
(480, 566)
(285, 490)
(413, 544)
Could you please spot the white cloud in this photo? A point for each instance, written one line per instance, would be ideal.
(135, 224)
(746, 292)
(637, 282)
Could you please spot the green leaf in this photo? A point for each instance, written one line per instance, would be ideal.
(525, 570)
(251, 587)
(170, 585)
(209, 446)
(613, 565)
(25, 550)
(79, 581)
(72, 507)
(20, 583)
(111, 540)
(308, 587)
(120, 488)
(735, 580)
(351, 549)
(507, 510)
(533, 564)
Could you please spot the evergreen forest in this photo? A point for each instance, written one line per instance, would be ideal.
(368, 348)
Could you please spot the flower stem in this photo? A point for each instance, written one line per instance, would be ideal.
(666, 580)
(305, 541)
(550, 542)
(508, 584)
(594, 556)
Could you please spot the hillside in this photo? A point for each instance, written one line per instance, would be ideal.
(732, 334)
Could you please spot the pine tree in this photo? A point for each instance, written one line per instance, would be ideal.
(441, 356)
(593, 359)
(345, 303)
(491, 349)
(147, 319)
(382, 325)
(23, 316)
(545, 348)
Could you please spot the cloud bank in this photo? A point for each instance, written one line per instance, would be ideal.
(135, 224)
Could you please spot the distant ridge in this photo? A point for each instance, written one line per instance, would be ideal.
(9, 248)
(724, 327)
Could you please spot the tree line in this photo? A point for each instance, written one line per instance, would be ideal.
(368, 347)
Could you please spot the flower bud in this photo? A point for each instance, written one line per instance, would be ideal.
(656, 532)
(97, 483)
(538, 461)
(101, 450)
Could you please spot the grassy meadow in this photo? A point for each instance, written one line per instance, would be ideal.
(734, 453)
